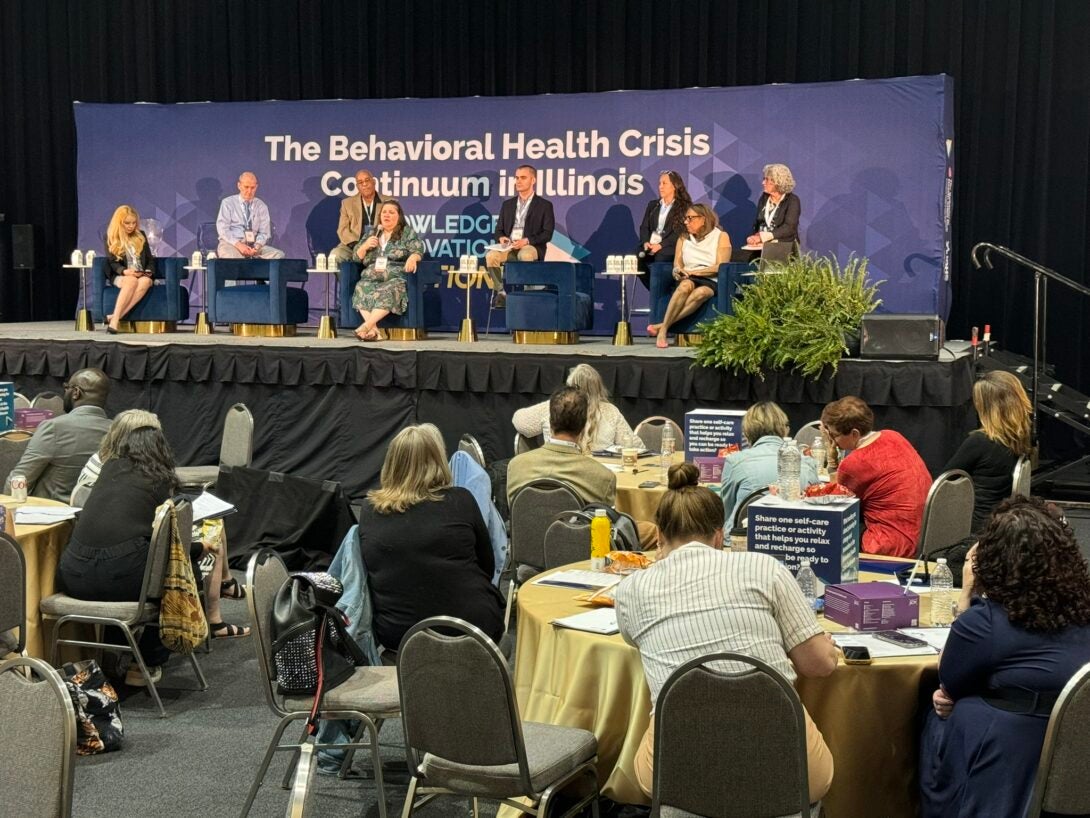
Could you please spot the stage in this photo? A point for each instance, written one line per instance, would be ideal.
(326, 408)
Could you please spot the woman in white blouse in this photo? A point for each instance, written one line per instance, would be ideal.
(606, 425)
(696, 267)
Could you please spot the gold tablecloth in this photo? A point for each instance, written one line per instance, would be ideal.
(640, 504)
(42, 546)
(866, 713)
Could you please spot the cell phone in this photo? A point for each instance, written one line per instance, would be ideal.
(649, 484)
(900, 639)
(856, 655)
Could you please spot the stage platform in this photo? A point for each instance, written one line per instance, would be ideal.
(326, 408)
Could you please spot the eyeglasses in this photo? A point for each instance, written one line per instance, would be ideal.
(692, 218)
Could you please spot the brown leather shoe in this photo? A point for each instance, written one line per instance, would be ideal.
(500, 301)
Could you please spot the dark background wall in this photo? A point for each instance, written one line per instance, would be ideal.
(1021, 71)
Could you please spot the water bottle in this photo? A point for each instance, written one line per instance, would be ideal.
(600, 531)
(666, 446)
(817, 451)
(788, 468)
(942, 595)
(807, 581)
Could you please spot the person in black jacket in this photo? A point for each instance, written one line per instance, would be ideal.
(132, 265)
(524, 228)
(663, 223)
(778, 212)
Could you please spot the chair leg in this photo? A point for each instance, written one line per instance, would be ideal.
(286, 783)
(476, 808)
(410, 797)
(512, 592)
(197, 670)
(139, 657)
(376, 761)
(273, 744)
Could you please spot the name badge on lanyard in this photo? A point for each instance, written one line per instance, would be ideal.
(380, 264)
(516, 234)
(656, 238)
(249, 236)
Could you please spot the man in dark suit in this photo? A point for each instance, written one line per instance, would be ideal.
(524, 228)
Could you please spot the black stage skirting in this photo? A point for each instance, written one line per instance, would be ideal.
(328, 413)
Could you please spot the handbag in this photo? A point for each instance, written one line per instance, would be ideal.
(98, 714)
(311, 649)
(182, 626)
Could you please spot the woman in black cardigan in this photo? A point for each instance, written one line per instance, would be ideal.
(778, 212)
(663, 223)
(132, 265)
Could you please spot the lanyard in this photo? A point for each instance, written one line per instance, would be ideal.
(370, 211)
(520, 211)
(249, 215)
(770, 211)
(664, 211)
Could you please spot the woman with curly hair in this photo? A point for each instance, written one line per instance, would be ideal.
(663, 223)
(1023, 631)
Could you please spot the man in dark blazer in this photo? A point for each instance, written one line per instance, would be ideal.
(524, 228)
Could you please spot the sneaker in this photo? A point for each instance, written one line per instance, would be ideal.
(500, 301)
(134, 678)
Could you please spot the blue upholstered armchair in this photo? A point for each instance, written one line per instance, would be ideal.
(168, 300)
(563, 305)
(422, 287)
(663, 285)
(270, 302)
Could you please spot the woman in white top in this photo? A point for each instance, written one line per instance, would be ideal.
(606, 425)
(696, 267)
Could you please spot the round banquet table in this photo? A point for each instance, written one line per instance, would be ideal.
(42, 546)
(867, 714)
(640, 504)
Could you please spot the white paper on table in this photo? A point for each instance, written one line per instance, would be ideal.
(44, 515)
(601, 620)
(879, 649)
(208, 506)
(935, 637)
(574, 578)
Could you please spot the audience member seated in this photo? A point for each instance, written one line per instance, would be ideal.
(606, 425)
(697, 257)
(1023, 631)
(778, 212)
(884, 472)
(425, 544)
(387, 256)
(697, 599)
(764, 426)
(62, 445)
(131, 263)
(989, 453)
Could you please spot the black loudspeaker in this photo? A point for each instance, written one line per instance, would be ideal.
(901, 337)
(22, 246)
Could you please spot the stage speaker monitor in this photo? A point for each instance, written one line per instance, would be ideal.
(22, 246)
(901, 337)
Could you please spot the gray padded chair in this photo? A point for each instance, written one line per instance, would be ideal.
(463, 734)
(49, 400)
(1022, 479)
(79, 496)
(746, 712)
(299, 804)
(130, 617)
(37, 740)
(806, 434)
(523, 444)
(649, 430)
(12, 446)
(742, 514)
(236, 449)
(470, 446)
(12, 597)
(21, 401)
(947, 512)
(566, 542)
(369, 694)
(1062, 786)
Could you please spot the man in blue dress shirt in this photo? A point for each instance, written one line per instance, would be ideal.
(244, 225)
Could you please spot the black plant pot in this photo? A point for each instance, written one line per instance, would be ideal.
(851, 341)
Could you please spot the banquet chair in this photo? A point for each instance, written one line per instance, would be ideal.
(236, 449)
(947, 512)
(750, 715)
(21, 401)
(649, 430)
(369, 695)
(1062, 786)
(1023, 477)
(131, 618)
(566, 542)
(49, 400)
(524, 444)
(12, 596)
(738, 525)
(472, 447)
(37, 740)
(305, 768)
(463, 734)
(12, 446)
(806, 434)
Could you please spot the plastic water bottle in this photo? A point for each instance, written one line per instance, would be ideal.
(817, 451)
(667, 449)
(788, 468)
(807, 581)
(600, 531)
(942, 595)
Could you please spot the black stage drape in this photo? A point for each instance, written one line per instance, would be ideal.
(1021, 69)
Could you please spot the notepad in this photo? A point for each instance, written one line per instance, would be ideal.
(208, 506)
(584, 580)
(44, 515)
(601, 621)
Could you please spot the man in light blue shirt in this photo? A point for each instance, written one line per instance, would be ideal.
(244, 225)
(764, 426)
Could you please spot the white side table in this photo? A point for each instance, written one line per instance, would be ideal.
(622, 337)
(83, 317)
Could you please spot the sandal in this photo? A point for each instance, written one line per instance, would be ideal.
(232, 590)
(225, 630)
(364, 334)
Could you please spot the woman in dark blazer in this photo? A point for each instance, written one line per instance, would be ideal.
(778, 212)
(132, 266)
(663, 223)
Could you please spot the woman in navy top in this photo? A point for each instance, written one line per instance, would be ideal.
(1024, 630)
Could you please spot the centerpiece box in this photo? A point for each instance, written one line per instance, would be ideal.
(827, 535)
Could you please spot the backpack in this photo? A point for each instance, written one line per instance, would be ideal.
(623, 533)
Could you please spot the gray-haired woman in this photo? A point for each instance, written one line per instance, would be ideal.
(778, 212)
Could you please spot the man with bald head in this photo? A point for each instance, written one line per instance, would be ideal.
(243, 224)
(61, 446)
(358, 214)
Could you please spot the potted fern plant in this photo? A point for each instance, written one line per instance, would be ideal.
(800, 316)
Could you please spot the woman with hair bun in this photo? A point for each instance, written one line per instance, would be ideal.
(697, 599)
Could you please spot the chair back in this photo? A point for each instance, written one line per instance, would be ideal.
(49, 400)
(159, 547)
(533, 507)
(947, 513)
(470, 446)
(21, 401)
(305, 768)
(1062, 786)
(11, 452)
(744, 711)
(79, 495)
(37, 741)
(12, 592)
(743, 507)
(16, 435)
(457, 698)
(237, 446)
(265, 573)
(775, 254)
(566, 542)
(1022, 478)
(806, 434)
(649, 430)
(523, 444)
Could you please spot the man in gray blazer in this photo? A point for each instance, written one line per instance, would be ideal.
(357, 214)
(62, 445)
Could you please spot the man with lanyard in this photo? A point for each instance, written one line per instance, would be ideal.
(244, 225)
(524, 228)
(359, 216)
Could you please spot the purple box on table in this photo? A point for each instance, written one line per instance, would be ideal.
(711, 469)
(872, 606)
(827, 535)
(31, 418)
(710, 435)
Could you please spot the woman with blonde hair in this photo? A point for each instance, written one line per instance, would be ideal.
(131, 262)
(990, 453)
(425, 544)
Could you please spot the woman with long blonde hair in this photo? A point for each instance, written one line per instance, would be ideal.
(131, 263)
(424, 543)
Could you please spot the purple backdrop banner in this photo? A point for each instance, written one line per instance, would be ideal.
(872, 160)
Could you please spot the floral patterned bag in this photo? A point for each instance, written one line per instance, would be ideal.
(98, 714)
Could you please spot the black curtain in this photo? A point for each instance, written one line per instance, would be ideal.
(1021, 69)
